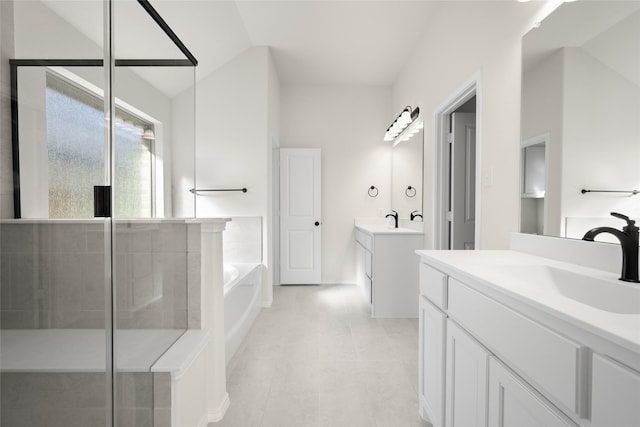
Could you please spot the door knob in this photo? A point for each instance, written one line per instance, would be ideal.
(317, 223)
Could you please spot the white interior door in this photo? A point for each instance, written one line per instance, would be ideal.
(463, 181)
(300, 209)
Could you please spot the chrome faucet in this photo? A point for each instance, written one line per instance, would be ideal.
(395, 217)
(628, 238)
(414, 215)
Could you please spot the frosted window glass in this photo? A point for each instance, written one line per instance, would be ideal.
(133, 175)
(76, 149)
(75, 135)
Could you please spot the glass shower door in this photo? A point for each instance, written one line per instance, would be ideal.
(153, 95)
(94, 263)
(55, 255)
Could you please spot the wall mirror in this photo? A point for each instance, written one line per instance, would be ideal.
(580, 124)
(407, 176)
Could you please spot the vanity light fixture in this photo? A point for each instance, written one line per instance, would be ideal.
(402, 128)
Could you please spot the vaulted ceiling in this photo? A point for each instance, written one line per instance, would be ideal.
(323, 42)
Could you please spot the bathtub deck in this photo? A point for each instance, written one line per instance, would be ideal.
(82, 350)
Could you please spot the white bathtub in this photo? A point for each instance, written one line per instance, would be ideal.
(242, 302)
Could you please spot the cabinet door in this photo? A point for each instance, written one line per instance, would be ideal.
(364, 283)
(512, 402)
(466, 385)
(359, 265)
(431, 366)
(616, 394)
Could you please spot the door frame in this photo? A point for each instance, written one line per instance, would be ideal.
(275, 212)
(441, 167)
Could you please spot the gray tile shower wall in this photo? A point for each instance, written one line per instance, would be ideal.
(53, 274)
(77, 399)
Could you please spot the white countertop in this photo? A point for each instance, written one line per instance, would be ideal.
(385, 229)
(379, 225)
(501, 272)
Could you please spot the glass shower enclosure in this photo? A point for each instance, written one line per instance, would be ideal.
(93, 241)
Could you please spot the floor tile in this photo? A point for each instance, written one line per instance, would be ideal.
(317, 358)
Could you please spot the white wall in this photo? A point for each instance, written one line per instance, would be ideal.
(236, 121)
(183, 153)
(601, 130)
(348, 125)
(460, 40)
(231, 127)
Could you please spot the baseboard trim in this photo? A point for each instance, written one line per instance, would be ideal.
(218, 414)
(338, 283)
(323, 283)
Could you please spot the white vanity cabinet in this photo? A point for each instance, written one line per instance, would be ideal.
(466, 385)
(386, 269)
(363, 263)
(616, 394)
(512, 402)
(506, 365)
(431, 366)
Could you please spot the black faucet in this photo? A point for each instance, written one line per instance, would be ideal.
(395, 217)
(414, 215)
(628, 238)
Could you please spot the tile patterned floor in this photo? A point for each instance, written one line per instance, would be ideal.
(317, 358)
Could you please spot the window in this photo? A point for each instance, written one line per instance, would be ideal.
(77, 153)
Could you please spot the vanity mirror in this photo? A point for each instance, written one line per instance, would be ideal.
(581, 118)
(406, 176)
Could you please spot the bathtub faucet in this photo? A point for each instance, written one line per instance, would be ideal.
(628, 238)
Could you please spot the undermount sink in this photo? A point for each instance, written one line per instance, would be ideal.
(609, 295)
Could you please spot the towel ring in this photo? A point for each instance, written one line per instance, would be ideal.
(410, 191)
(373, 191)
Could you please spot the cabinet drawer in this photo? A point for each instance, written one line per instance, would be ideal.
(364, 239)
(433, 285)
(548, 360)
